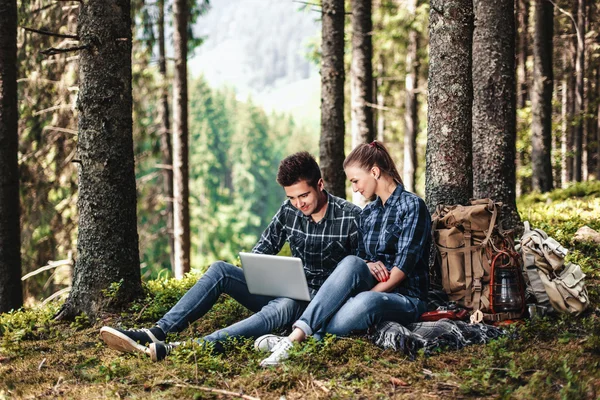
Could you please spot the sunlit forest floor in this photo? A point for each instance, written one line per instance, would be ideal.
(545, 359)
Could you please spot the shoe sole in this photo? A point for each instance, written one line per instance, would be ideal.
(121, 342)
(152, 352)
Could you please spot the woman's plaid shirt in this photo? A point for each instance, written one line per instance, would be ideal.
(399, 235)
(320, 245)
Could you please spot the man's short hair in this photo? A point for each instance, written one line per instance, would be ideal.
(297, 167)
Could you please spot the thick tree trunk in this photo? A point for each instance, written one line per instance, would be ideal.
(523, 38)
(411, 118)
(361, 79)
(541, 97)
(107, 243)
(11, 296)
(494, 114)
(165, 129)
(449, 175)
(331, 146)
(579, 77)
(181, 190)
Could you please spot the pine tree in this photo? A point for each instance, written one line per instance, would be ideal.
(541, 96)
(331, 147)
(449, 175)
(11, 297)
(494, 114)
(107, 243)
(181, 190)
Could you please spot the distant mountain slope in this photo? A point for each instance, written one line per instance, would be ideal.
(256, 46)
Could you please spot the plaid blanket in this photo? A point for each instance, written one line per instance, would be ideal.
(433, 336)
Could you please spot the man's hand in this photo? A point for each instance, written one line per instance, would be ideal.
(379, 271)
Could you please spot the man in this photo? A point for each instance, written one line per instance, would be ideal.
(321, 230)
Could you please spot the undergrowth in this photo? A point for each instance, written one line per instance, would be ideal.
(546, 358)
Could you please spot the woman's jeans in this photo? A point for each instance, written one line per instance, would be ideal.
(345, 303)
(270, 313)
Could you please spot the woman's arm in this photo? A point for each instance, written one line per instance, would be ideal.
(396, 277)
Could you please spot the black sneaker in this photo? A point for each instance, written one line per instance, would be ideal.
(159, 350)
(133, 340)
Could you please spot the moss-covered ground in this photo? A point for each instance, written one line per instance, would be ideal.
(550, 358)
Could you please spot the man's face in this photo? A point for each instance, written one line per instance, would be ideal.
(304, 197)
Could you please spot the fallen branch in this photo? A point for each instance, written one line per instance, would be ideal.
(48, 33)
(211, 390)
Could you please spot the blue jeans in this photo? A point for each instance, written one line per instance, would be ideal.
(345, 303)
(270, 313)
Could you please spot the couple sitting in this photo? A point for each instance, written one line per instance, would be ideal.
(386, 280)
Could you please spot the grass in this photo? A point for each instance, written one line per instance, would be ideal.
(555, 358)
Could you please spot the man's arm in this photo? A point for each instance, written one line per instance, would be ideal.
(273, 238)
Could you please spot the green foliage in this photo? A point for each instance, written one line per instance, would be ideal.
(25, 324)
(161, 295)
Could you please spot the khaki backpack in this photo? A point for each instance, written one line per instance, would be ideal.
(556, 285)
(468, 240)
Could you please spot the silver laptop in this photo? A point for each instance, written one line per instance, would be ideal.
(275, 276)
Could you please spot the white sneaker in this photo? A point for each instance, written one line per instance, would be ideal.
(266, 343)
(279, 353)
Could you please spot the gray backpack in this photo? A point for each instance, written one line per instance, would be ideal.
(556, 285)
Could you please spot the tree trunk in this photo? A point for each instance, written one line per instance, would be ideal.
(181, 190)
(449, 175)
(564, 128)
(361, 79)
(523, 37)
(597, 112)
(411, 117)
(107, 243)
(579, 75)
(494, 115)
(11, 297)
(380, 101)
(331, 147)
(361, 73)
(165, 129)
(541, 97)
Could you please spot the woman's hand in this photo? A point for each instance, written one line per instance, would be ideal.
(379, 271)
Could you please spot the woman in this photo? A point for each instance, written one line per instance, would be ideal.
(388, 279)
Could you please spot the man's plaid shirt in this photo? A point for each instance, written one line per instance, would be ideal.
(398, 234)
(320, 245)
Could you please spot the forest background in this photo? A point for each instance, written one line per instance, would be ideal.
(239, 133)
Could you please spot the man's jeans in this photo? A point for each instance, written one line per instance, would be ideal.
(270, 313)
(345, 303)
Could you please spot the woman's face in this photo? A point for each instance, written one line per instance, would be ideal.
(363, 181)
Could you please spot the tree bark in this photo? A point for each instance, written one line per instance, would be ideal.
(411, 117)
(361, 73)
(523, 38)
(11, 297)
(107, 242)
(331, 147)
(597, 112)
(541, 97)
(579, 106)
(564, 127)
(361, 79)
(494, 114)
(180, 142)
(449, 175)
(166, 148)
(380, 101)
